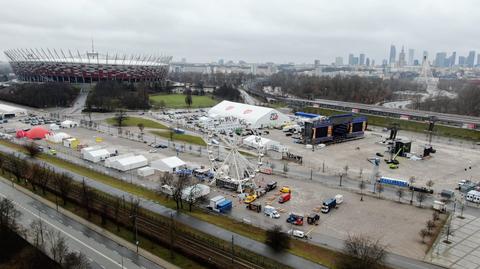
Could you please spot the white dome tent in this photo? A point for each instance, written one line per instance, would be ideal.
(254, 116)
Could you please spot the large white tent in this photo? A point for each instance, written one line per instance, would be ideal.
(96, 155)
(129, 163)
(258, 142)
(11, 111)
(169, 164)
(57, 137)
(254, 116)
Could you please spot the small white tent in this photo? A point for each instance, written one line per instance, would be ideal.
(96, 155)
(69, 124)
(129, 163)
(169, 164)
(57, 137)
(54, 127)
(145, 171)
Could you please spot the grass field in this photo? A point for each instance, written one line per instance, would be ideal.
(197, 140)
(407, 125)
(178, 100)
(134, 121)
(312, 252)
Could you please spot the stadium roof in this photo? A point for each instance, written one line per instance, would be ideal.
(35, 55)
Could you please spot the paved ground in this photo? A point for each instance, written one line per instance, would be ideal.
(101, 251)
(464, 251)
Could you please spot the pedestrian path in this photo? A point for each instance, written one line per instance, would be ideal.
(464, 249)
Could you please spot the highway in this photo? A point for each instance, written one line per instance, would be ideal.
(447, 119)
(101, 251)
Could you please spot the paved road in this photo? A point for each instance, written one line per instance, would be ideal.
(247, 243)
(101, 251)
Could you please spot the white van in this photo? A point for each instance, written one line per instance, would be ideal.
(473, 196)
(271, 212)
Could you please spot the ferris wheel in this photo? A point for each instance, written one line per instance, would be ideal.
(234, 170)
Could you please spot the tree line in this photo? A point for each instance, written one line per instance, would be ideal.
(350, 89)
(467, 101)
(111, 95)
(215, 79)
(41, 95)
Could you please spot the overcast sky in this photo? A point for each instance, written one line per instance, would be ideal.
(249, 30)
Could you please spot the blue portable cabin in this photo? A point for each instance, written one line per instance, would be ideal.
(224, 206)
(393, 181)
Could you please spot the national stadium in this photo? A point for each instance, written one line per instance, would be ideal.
(34, 65)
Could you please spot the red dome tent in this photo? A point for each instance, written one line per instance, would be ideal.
(21, 133)
(37, 133)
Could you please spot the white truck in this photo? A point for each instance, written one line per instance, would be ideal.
(439, 206)
(271, 212)
(473, 196)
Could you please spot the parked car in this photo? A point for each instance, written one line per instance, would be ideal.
(271, 186)
(295, 219)
(297, 233)
(271, 212)
(284, 198)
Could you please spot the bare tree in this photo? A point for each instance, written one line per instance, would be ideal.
(361, 186)
(361, 252)
(38, 229)
(430, 183)
(423, 233)
(345, 169)
(32, 149)
(161, 104)
(192, 197)
(400, 193)
(44, 179)
(141, 127)
(411, 180)
(360, 173)
(34, 171)
(75, 260)
(87, 199)
(63, 183)
(120, 117)
(17, 167)
(421, 196)
(277, 239)
(430, 224)
(8, 214)
(58, 245)
(380, 189)
(179, 185)
(435, 216)
(188, 99)
(116, 211)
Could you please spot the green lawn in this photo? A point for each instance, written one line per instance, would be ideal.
(407, 125)
(197, 140)
(178, 100)
(134, 121)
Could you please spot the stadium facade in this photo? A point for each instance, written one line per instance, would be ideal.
(35, 65)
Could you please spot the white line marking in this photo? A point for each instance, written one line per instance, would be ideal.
(69, 235)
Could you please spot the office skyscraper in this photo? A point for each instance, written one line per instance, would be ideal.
(461, 60)
(401, 58)
(362, 59)
(478, 59)
(393, 54)
(338, 61)
(355, 61)
(470, 61)
(316, 63)
(452, 59)
(425, 55)
(411, 53)
(350, 59)
(440, 59)
(367, 62)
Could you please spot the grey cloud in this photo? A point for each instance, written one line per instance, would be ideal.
(250, 30)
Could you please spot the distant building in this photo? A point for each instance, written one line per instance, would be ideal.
(393, 55)
(221, 62)
(440, 59)
(367, 62)
(362, 59)
(478, 59)
(317, 63)
(452, 59)
(425, 54)
(470, 61)
(338, 61)
(411, 53)
(350, 59)
(461, 60)
(401, 58)
(416, 62)
(355, 60)
(373, 63)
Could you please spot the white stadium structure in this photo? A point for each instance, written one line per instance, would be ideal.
(253, 116)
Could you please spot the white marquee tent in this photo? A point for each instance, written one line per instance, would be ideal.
(57, 137)
(129, 163)
(96, 155)
(169, 164)
(254, 116)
